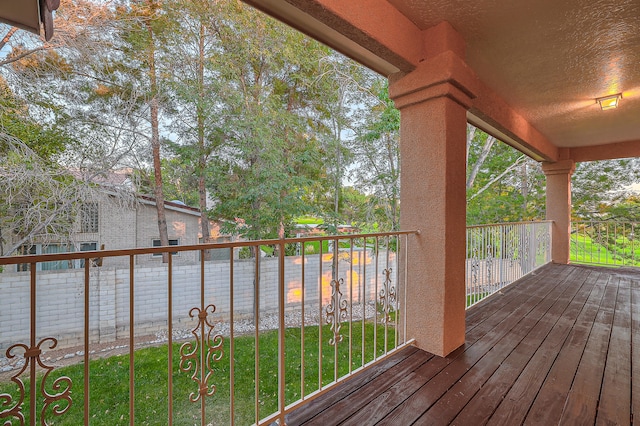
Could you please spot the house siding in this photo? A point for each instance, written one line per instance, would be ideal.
(123, 227)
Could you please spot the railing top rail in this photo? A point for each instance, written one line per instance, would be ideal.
(509, 223)
(616, 222)
(13, 260)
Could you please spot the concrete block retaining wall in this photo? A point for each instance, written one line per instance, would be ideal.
(60, 295)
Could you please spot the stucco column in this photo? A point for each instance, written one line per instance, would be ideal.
(433, 101)
(559, 206)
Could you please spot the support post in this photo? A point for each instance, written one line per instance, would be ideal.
(559, 207)
(433, 101)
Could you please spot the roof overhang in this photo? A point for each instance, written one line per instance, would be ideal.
(28, 14)
(24, 14)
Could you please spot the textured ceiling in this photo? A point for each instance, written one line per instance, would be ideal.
(550, 59)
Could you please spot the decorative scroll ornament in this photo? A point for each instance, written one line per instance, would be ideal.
(336, 311)
(58, 403)
(475, 266)
(196, 357)
(543, 241)
(511, 248)
(489, 263)
(526, 249)
(387, 296)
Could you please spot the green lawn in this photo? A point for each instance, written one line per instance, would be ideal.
(309, 220)
(620, 252)
(475, 298)
(109, 379)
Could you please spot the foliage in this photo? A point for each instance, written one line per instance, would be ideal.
(346, 96)
(598, 186)
(274, 154)
(507, 188)
(36, 196)
(624, 210)
(46, 141)
(246, 118)
(516, 190)
(40, 199)
(376, 151)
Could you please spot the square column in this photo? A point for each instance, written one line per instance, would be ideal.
(559, 207)
(433, 101)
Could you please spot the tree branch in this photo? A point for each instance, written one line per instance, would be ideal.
(497, 178)
(7, 37)
(481, 159)
(23, 54)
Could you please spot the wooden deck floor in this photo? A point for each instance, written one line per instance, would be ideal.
(562, 346)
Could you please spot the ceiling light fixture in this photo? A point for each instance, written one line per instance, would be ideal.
(609, 102)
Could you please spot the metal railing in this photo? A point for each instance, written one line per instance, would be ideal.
(605, 243)
(246, 339)
(500, 254)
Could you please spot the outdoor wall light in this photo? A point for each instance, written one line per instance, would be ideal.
(609, 102)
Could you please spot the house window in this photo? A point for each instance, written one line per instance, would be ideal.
(23, 251)
(89, 217)
(222, 253)
(88, 247)
(47, 249)
(56, 264)
(156, 243)
(52, 249)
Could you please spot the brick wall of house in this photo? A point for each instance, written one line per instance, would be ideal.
(126, 226)
(138, 227)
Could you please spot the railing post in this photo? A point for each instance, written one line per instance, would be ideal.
(281, 335)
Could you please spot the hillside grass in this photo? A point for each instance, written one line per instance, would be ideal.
(618, 252)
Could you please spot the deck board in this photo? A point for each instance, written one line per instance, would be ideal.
(440, 384)
(615, 397)
(549, 403)
(515, 405)
(582, 400)
(497, 385)
(343, 408)
(537, 323)
(344, 389)
(557, 347)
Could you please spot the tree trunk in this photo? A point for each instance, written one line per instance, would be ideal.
(483, 156)
(155, 142)
(338, 183)
(497, 178)
(471, 133)
(202, 155)
(394, 159)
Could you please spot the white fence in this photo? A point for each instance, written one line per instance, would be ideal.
(500, 254)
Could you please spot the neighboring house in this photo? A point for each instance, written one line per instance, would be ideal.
(109, 225)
